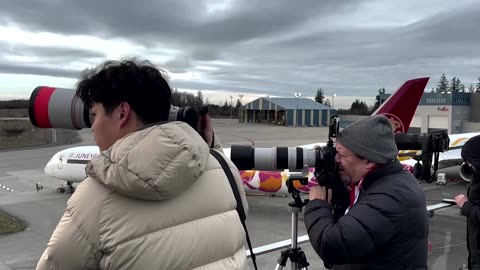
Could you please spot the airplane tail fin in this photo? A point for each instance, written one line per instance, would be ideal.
(400, 107)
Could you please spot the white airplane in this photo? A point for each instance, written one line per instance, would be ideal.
(69, 164)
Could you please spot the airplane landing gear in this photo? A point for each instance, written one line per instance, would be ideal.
(38, 186)
(66, 189)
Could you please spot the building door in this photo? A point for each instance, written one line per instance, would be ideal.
(436, 122)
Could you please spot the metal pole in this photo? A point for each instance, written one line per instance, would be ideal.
(294, 237)
(54, 135)
(240, 111)
(296, 113)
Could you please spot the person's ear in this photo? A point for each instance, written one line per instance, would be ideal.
(370, 164)
(124, 113)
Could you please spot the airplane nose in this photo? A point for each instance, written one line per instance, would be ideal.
(48, 170)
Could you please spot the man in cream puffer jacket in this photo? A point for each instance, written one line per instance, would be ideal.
(154, 198)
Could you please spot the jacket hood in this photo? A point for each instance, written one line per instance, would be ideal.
(155, 163)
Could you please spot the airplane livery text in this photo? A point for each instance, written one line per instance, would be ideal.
(85, 156)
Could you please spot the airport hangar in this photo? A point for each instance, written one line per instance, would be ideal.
(456, 112)
(302, 112)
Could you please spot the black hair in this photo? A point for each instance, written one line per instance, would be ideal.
(143, 86)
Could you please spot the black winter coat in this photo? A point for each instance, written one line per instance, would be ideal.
(471, 209)
(387, 228)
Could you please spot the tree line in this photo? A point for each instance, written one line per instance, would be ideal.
(454, 86)
(357, 108)
(14, 104)
(183, 99)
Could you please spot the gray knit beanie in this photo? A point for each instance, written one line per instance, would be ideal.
(371, 138)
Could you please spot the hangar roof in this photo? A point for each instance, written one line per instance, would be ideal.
(303, 104)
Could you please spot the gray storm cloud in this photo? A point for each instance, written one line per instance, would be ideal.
(275, 47)
(41, 60)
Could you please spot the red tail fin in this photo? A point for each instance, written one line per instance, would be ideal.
(401, 105)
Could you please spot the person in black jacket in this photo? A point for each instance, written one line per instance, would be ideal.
(471, 207)
(386, 224)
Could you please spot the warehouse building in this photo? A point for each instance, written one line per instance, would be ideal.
(442, 111)
(456, 112)
(286, 112)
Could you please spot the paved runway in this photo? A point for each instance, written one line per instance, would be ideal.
(269, 220)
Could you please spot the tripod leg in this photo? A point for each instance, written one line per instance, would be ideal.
(302, 260)
(282, 261)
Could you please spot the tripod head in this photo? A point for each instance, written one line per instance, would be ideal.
(303, 180)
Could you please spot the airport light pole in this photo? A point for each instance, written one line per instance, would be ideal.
(240, 111)
(333, 100)
(297, 95)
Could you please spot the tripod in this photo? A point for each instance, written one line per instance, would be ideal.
(294, 253)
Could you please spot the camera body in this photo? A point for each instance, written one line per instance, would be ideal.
(51, 107)
(190, 115)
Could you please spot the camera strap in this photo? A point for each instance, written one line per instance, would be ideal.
(236, 193)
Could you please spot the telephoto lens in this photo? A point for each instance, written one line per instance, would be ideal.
(51, 107)
(246, 157)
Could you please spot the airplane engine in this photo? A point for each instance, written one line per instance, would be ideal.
(466, 172)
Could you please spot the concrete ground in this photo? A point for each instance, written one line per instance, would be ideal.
(269, 219)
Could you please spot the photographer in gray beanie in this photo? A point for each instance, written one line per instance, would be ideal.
(385, 225)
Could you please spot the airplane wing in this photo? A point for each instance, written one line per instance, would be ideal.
(450, 158)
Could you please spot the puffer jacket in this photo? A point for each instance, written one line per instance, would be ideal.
(156, 199)
(387, 228)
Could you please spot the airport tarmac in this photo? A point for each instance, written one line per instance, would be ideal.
(269, 220)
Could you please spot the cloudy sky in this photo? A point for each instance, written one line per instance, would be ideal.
(350, 48)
